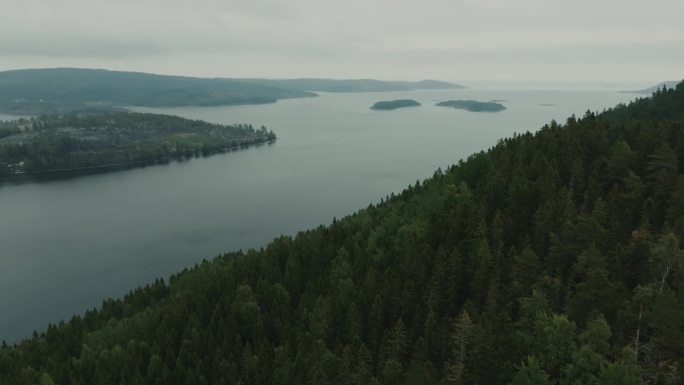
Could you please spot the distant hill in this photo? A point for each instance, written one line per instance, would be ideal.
(34, 91)
(429, 85)
(332, 85)
(355, 85)
(64, 90)
(650, 90)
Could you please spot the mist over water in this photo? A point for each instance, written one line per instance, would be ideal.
(69, 243)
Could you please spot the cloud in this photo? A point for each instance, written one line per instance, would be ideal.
(300, 37)
(523, 39)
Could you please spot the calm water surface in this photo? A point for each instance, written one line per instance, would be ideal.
(68, 243)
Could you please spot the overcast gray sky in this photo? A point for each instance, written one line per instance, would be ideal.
(612, 40)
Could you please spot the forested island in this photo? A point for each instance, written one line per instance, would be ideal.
(473, 105)
(394, 104)
(77, 141)
(551, 258)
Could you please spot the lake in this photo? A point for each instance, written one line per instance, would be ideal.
(68, 243)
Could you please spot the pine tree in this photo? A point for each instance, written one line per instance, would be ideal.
(455, 371)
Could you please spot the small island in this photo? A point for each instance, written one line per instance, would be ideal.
(73, 142)
(473, 105)
(394, 104)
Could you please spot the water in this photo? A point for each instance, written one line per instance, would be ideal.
(69, 243)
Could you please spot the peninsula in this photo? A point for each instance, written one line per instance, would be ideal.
(394, 104)
(67, 142)
(473, 105)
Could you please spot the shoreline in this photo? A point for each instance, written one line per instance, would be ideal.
(222, 150)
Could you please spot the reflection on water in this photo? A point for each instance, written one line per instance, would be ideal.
(63, 175)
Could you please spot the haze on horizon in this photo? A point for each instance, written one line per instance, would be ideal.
(453, 40)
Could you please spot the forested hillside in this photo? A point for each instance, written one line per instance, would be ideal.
(552, 258)
(64, 90)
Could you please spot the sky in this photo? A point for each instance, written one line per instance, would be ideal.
(579, 40)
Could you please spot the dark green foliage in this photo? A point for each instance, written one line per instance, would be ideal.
(75, 141)
(473, 105)
(552, 258)
(531, 374)
(394, 104)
